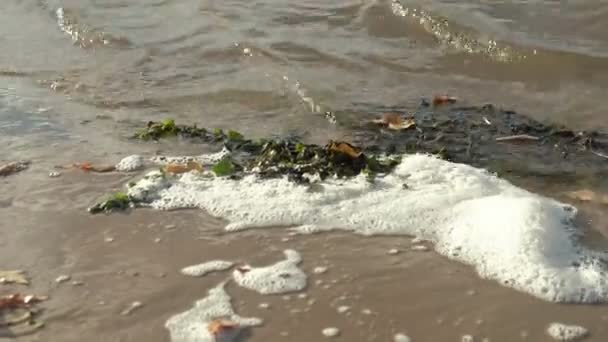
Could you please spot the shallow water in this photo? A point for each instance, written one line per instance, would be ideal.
(76, 77)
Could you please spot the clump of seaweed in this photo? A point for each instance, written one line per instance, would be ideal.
(118, 201)
(279, 157)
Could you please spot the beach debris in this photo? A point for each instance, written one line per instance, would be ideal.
(264, 306)
(206, 268)
(211, 319)
(486, 121)
(176, 168)
(108, 239)
(77, 283)
(395, 121)
(88, 167)
(587, 195)
(400, 337)
(13, 277)
(157, 240)
(13, 167)
(319, 270)
(130, 163)
(331, 332)
(439, 100)
(467, 338)
(132, 307)
(366, 312)
(281, 277)
(17, 309)
(54, 174)
(224, 167)
(221, 327)
(518, 137)
(393, 251)
(157, 130)
(118, 201)
(62, 278)
(343, 309)
(564, 332)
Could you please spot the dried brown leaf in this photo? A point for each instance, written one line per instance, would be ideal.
(181, 168)
(444, 99)
(13, 167)
(346, 148)
(220, 326)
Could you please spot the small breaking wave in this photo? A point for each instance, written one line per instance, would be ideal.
(440, 28)
(85, 36)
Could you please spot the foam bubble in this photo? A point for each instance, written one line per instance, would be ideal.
(207, 267)
(330, 332)
(282, 277)
(130, 163)
(508, 234)
(192, 325)
(401, 338)
(563, 332)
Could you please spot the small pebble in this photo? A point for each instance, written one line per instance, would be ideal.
(311, 301)
(331, 332)
(62, 279)
(343, 308)
(393, 251)
(366, 311)
(247, 51)
(467, 338)
(471, 292)
(302, 296)
(420, 248)
(109, 239)
(77, 283)
(401, 338)
(54, 174)
(285, 239)
(134, 306)
(170, 226)
(157, 240)
(286, 297)
(319, 270)
(162, 275)
(264, 306)
(284, 333)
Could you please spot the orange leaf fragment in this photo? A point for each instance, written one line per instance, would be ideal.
(395, 121)
(16, 300)
(181, 168)
(344, 147)
(220, 326)
(444, 99)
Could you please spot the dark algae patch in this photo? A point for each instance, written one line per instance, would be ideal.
(501, 141)
(119, 201)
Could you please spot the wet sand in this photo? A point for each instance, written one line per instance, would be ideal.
(422, 294)
(73, 86)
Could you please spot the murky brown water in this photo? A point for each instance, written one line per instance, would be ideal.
(77, 75)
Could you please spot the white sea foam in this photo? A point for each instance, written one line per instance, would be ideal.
(282, 277)
(207, 267)
(130, 163)
(563, 332)
(508, 234)
(192, 325)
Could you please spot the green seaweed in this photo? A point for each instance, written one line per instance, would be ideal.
(224, 167)
(118, 201)
(235, 136)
